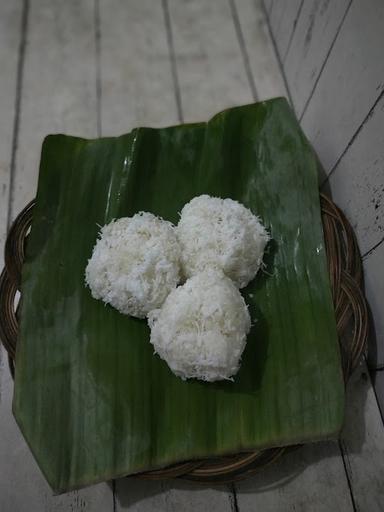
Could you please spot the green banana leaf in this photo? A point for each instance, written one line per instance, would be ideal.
(91, 398)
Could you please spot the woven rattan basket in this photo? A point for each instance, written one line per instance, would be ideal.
(344, 264)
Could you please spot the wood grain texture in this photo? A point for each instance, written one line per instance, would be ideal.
(283, 18)
(268, 5)
(357, 183)
(350, 82)
(59, 93)
(305, 480)
(210, 65)
(137, 88)
(363, 443)
(136, 79)
(22, 486)
(262, 59)
(56, 95)
(311, 478)
(17, 467)
(315, 31)
(348, 89)
(374, 286)
(340, 43)
(10, 25)
(135, 495)
(377, 377)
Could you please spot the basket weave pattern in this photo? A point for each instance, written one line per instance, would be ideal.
(345, 270)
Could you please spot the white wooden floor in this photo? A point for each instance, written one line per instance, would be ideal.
(101, 67)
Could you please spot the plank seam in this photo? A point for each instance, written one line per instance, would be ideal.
(243, 49)
(277, 54)
(372, 249)
(378, 403)
(172, 55)
(293, 30)
(344, 456)
(17, 107)
(98, 64)
(233, 499)
(114, 505)
(325, 61)
(354, 136)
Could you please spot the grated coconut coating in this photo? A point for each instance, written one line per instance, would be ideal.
(222, 234)
(201, 329)
(135, 264)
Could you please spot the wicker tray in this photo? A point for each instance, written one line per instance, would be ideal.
(344, 264)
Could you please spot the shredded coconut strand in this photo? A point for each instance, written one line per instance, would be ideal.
(223, 234)
(201, 329)
(135, 264)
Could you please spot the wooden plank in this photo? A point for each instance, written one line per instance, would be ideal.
(283, 18)
(378, 383)
(10, 23)
(32, 489)
(316, 29)
(311, 478)
(210, 65)
(189, 67)
(154, 104)
(200, 56)
(136, 79)
(374, 288)
(357, 183)
(133, 494)
(350, 83)
(138, 495)
(363, 443)
(267, 77)
(268, 5)
(58, 95)
(22, 486)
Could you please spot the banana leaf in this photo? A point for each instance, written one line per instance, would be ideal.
(91, 398)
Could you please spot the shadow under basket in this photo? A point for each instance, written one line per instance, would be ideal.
(345, 271)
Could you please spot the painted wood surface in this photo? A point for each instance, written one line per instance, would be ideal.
(129, 96)
(316, 30)
(357, 185)
(350, 83)
(335, 72)
(136, 74)
(90, 67)
(135, 495)
(357, 182)
(362, 441)
(305, 479)
(374, 285)
(311, 478)
(57, 94)
(263, 64)
(209, 62)
(284, 15)
(10, 23)
(378, 382)
(268, 5)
